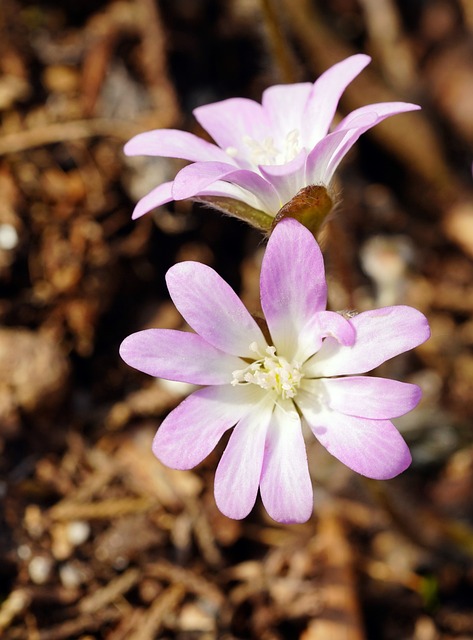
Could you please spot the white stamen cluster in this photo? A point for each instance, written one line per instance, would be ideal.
(266, 152)
(270, 372)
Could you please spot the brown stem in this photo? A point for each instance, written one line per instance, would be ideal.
(278, 42)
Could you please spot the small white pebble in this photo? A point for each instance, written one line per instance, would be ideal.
(40, 569)
(78, 532)
(24, 552)
(386, 259)
(8, 237)
(70, 576)
(193, 618)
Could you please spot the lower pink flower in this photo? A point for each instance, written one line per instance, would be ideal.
(307, 372)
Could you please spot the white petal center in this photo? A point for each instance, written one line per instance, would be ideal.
(271, 372)
(266, 151)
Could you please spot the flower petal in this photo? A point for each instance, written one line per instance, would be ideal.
(374, 113)
(288, 178)
(325, 157)
(293, 286)
(367, 397)
(198, 177)
(172, 143)
(213, 309)
(284, 105)
(155, 198)
(324, 324)
(192, 430)
(329, 152)
(324, 97)
(220, 188)
(239, 470)
(381, 334)
(286, 488)
(381, 110)
(374, 448)
(230, 121)
(329, 324)
(178, 355)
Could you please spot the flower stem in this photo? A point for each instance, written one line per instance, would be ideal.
(278, 43)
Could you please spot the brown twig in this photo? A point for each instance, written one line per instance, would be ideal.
(154, 59)
(15, 604)
(66, 131)
(107, 595)
(421, 152)
(193, 582)
(104, 31)
(389, 44)
(104, 509)
(285, 60)
(340, 618)
(148, 627)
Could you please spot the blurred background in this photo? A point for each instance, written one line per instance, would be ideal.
(97, 538)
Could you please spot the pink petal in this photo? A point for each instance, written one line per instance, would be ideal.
(381, 334)
(193, 429)
(381, 110)
(155, 198)
(373, 448)
(374, 112)
(324, 324)
(196, 178)
(177, 355)
(172, 143)
(293, 286)
(284, 105)
(286, 488)
(212, 308)
(229, 190)
(326, 93)
(324, 159)
(230, 121)
(327, 154)
(329, 324)
(288, 178)
(368, 397)
(239, 471)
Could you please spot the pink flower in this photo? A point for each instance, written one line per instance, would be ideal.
(306, 372)
(265, 153)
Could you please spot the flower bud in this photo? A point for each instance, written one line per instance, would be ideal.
(310, 206)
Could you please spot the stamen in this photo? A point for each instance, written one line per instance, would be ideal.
(266, 152)
(270, 372)
(292, 145)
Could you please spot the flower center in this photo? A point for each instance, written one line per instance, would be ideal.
(266, 152)
(270, 372)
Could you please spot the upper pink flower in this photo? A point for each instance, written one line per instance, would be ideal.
(306, 371)
(265, 153)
